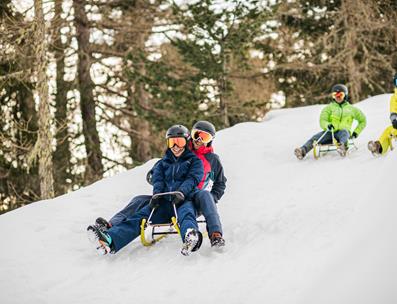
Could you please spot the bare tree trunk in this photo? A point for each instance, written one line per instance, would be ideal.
(144, 152)
(352, 66)
(94, 168)
(45, 137)
(140, 145)
(62, 155)
(27, 108)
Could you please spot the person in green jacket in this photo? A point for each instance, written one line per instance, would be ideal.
(338, 117)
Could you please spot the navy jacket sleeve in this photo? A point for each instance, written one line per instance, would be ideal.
(218, 189)
(158, 178)
(194, 176)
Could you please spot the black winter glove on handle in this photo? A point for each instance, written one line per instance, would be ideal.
(155, 202)
(330, 127)
(394, 123)
(354, 135)
(179, 197)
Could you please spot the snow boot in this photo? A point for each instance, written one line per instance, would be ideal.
(102, 224)
(217, 240)
(375, 147)
(300, 153)
(101, 240)
(193, 240)
(342, 150)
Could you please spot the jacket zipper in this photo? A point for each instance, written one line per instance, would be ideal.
(173, 171)
(341, 114)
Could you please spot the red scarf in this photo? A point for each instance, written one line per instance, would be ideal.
(200, 152)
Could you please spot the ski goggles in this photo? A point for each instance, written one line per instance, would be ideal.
(179, 141)
(340, 95)
(205, 137)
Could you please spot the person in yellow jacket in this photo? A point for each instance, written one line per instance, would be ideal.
(382, 145)
(336, 118)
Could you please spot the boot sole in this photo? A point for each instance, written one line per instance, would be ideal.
(91, 236)
(372, 147)
(298, 154)
(188, 246)
(97, 244)
(218, 247)
(187, 250)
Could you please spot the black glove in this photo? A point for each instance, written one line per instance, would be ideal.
(354, 135)
(330, 127)
(155, 202)
(394, 123)
(178, 198)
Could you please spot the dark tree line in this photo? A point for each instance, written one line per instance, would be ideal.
(327, 42)
(88, 87)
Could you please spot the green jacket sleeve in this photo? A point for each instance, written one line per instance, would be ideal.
(325, 117)
(362, 120)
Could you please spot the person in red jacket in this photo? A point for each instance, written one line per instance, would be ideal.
(213, 184)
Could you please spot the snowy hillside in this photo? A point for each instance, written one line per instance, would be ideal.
(310, 232)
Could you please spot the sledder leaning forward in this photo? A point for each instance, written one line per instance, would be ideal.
(336, 120)
(382, 145)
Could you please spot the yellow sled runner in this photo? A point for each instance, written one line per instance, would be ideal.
(152, 233)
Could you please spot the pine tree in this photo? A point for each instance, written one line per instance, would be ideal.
(321, 43)
(63, 176)
(217, 42)
(94, 166)
(19, 120)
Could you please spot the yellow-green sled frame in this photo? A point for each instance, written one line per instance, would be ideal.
(152, 233)
(319, 149)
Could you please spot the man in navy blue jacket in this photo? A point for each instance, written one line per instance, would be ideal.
(179, 170)
(213, 185)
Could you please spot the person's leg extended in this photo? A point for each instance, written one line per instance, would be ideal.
(191, 236)
(204, 202)
(342, 136)
(133, 206)
(327, 138)
(127, 230)
(186, 218)
(385, 138)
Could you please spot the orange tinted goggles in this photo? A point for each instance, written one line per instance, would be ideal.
(179, 141)
(338, 95)
(201, 135)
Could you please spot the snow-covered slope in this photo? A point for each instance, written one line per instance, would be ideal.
(297, 231)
